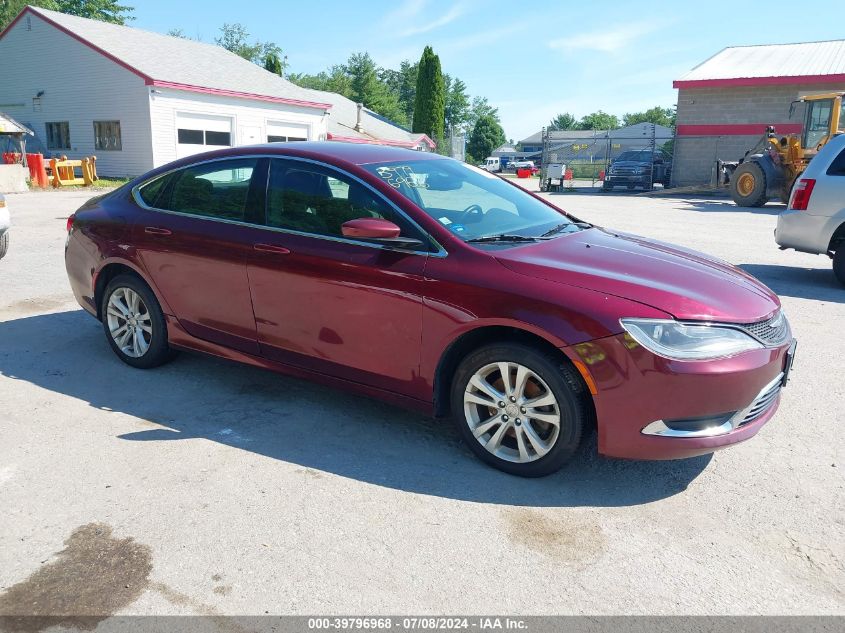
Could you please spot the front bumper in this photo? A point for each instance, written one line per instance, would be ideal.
(627, 179)
(639, 395)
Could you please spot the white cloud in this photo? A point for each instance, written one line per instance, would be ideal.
(609, 39)
(413, 17)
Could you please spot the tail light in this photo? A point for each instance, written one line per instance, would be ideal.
(70, 222)
(801, 193)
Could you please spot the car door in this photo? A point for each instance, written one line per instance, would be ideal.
(194, 237)
(338, 306)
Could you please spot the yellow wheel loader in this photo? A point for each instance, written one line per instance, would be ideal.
(769, 170)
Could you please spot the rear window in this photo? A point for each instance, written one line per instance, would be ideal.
(837, 167)
(151, 192)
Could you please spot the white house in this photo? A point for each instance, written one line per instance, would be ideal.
(138, 99)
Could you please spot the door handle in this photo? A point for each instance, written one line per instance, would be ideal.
(271, 248)
(154, 230)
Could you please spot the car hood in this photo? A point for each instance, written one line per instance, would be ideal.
(680, 282)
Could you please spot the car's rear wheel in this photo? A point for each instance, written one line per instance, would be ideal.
(134, 323)
(4, 244)
(839, 263)
(520, 410)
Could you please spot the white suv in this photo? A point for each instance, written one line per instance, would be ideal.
(814, 220)
(5, 223)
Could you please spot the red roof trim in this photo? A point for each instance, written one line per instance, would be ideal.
(759, 81)
(353, 139)
(736, 129)
(234, 93)
(77, 38)
(164, 84)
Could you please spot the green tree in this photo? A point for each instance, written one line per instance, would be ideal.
(235, 38)
(657, 115)
(563, 121)
(481, 107)
(457, 110)
(334, 80)
(430, 101)
(368, 89)
(599, 121)
(178, 33)
(486, 136)
(103, 10)
(273, 64)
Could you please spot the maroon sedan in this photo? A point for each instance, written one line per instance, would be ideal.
(427, 282)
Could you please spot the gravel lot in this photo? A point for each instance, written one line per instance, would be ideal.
(210, 488)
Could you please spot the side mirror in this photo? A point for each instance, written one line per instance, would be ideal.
(381, 231)
(370, 228)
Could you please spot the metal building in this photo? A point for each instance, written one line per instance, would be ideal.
(726, 102)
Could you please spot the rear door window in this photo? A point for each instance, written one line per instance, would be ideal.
(221, 189)
(837, 167)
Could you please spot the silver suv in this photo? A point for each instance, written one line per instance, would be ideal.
(814, 220)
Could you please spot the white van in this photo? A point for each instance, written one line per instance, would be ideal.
(492, 163)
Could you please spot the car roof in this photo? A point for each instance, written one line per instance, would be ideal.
(355, 153)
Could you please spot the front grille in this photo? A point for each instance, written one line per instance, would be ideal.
(773, 331)
(761, 404)
(624, 171)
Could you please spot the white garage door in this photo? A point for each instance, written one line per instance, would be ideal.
(201, 132)
(279, 132)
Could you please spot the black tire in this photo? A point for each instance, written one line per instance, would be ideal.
(607, 187)
(563, 381)
(159, 351)
(839, 262)
(755, 196)
(4, 244)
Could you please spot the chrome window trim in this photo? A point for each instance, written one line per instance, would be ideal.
(440, 252)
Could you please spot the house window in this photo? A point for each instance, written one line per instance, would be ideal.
(107, 135)
(203, 137)
(271, 138)
(58, 135)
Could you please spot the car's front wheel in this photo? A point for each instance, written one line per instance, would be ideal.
(519, 409)
(134, 323)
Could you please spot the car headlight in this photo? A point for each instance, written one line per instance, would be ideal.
(689, 341)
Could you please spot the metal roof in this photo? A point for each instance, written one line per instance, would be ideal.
(770, 64)
(9, 126)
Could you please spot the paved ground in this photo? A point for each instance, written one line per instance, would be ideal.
(206, 487)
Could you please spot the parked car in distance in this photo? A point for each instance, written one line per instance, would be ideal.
(433, 284)
(639, 168)
(814, 220)
(5, 225)
(521, 164)
(492, 164)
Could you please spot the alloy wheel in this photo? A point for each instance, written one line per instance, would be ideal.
(512, 412)
(129, 322)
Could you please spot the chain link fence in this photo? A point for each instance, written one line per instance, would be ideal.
(606, 161)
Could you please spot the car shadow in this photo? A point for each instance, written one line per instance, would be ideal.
(726, 206)
(802, 283)
(298, 422)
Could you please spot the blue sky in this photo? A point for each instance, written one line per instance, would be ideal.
(530, 59)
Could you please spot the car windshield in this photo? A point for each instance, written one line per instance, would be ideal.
(641, 156)
(471, 202)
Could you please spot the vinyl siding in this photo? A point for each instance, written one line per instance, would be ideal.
(80, 86)
(165, 103)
